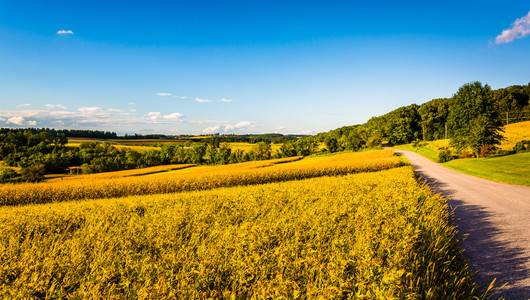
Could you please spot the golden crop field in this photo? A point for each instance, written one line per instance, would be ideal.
(379, 235)
(248, 146)
(514, 133)
(122, 147)
(120, 174)
(202, 178)
(137, 144)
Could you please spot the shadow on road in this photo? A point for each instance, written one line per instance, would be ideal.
(489, 256)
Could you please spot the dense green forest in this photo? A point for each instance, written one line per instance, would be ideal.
(428, 121)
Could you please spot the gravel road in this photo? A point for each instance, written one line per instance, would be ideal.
(493, 221)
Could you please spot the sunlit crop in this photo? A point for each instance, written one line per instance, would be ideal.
(199, 178)
(514, 133)
(379, 235)
(118, 174)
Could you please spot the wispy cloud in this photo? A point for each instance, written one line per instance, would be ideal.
(212, 129)
(520, 28)
(205, 121)
(163, 94)
(242, 124)
(225, 100)
(305, 132)
(202, 100)
(52, 106)
(63, 32)
(24, 105)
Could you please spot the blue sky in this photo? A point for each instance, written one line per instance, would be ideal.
(192, 67)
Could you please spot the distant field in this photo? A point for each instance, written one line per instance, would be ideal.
(121, 147)
(119, 174)
(247, 146)
(147, 144)
(378, 235)
(515, 133)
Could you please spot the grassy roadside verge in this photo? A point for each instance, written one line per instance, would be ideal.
(512, 169)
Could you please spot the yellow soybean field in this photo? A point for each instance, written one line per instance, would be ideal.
(378, 235)
(119, 174)
(202, 178)
(514, 133)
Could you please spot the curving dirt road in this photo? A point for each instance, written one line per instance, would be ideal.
(493, 221)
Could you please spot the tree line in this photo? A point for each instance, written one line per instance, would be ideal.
(45, 152)
(472, 119)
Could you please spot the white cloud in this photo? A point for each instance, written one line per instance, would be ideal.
(18, 120)
(65, 32)
(225, 100)
(183, 97)
(24, 105)
(132, 110)
(280, 128)
(154, 115)
(212, 129)
(52, 106)
(202, 100)
(173, 116)
(239, 125)
(158, 116)
(520, 28)
(163, 94)
(115, 110)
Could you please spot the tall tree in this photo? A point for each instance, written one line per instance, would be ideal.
(433, 118)
(262, 150)
(473, 119)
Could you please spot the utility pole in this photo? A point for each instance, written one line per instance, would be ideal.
(446, 135)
